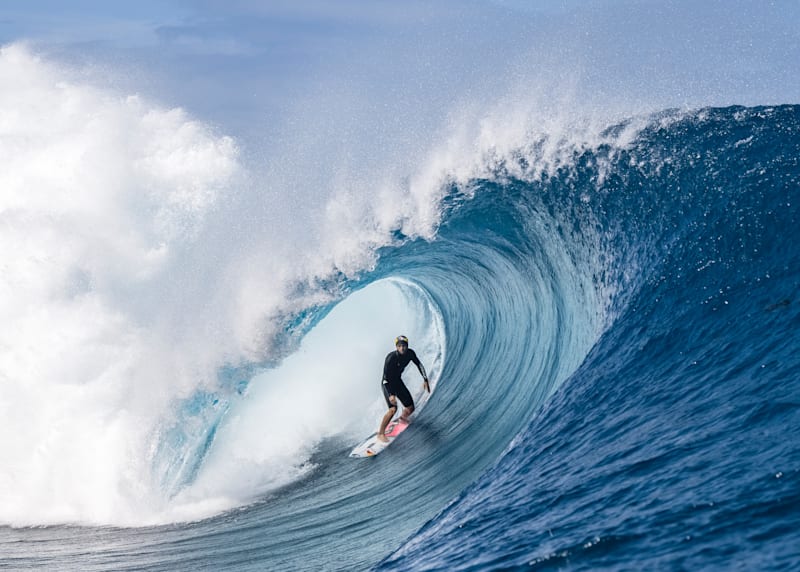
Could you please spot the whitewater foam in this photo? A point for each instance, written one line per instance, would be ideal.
(131, 273)
(98, 193)
(141, 257)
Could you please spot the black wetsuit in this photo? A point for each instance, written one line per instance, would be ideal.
(392, 383)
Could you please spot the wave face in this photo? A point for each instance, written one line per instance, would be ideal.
(607, 317)
(674, 443)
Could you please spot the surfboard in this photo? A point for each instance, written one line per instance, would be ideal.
(372, 446)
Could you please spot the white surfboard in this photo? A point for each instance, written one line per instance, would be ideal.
(372, 446)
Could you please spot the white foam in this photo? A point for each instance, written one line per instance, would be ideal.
(139, 256)
(99, 194)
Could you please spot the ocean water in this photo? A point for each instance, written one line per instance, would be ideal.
(608, 313)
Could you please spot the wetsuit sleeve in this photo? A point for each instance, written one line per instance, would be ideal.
(386, 363)
(419, 365)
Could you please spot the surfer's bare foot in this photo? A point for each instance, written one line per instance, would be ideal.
(383, 438)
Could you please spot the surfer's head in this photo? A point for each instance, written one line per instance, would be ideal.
(401, 343)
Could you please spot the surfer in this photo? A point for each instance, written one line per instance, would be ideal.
(393, 386)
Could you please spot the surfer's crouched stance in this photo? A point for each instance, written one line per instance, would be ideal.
(393, 386)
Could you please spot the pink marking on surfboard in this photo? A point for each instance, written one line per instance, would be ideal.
(396, 427)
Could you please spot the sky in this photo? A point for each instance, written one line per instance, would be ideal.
(255, 68)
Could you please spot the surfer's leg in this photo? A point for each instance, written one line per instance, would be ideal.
(385, 421)
(406, 412)
(408, 402)
(391, 403)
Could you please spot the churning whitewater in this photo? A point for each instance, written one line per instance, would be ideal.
(153, 318)
(606, 307)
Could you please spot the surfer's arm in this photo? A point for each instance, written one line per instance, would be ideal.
(386, 367)
(424, 376)
(420, 367)
(422, 371)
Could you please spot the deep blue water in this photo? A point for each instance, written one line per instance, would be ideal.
(675, 443)
(621, 386)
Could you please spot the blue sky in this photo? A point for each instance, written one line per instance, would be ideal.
(245, 65)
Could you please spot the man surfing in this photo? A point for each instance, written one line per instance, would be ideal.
(393, 386)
